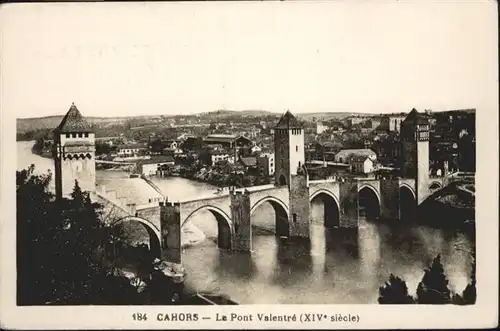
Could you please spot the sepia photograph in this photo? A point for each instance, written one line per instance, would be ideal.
(190, 154)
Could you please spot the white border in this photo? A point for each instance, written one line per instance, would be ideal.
(483, 314)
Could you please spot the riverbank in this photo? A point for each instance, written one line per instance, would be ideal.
(213, 176)
(42, 149)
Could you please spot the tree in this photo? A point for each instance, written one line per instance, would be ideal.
(157, 146)
(394, 291)
(433, 289)
(36, 233)
(469, 294)
(59, 245)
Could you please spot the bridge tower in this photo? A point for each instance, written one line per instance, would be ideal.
(415, 152)
(291, 171)
(73, 154)
(288, 148)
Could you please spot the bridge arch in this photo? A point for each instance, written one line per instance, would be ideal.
(369, 202)
(281, 212)
(435, 185)
(154, 232)
(331, 207)
(224, 225)
(406, 186)
(407, 203)
(282, 180)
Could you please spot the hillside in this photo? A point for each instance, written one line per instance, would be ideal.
(50, 122)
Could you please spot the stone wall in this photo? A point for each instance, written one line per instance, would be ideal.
(152, 214)
(170, 218)
(299, 206)
(348, 200)
(240, 214)
(389, 192)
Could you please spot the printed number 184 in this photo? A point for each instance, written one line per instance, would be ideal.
(140, 317)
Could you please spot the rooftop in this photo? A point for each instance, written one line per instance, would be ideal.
(288, 121)
(347, 152)
(158, 159)
(73, 121)
(249, 161)
(359, 158)
(132, 146)
(416, 118)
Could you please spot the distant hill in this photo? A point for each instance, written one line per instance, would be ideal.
(244, 113)
(325, 116)
(51, 122)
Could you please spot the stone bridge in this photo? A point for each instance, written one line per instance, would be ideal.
(344, 202)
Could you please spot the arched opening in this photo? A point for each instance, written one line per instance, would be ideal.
(325, 208)
(282, 180)
(407, 204)
(207, 222)
(434, 186)
(262, 213)
(368, 203)
(135, 240)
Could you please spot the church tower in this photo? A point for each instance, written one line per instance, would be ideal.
(289, 153)
(74, 154)
(414, 161)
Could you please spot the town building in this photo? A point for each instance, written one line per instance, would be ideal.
(320, 128)
(217, 156)
(227, 140)
(355, 120)
(131, 150)
(391, 123)
(344, 156)
(250, 163)
(362, 164)
(151, 166)
(265, 162)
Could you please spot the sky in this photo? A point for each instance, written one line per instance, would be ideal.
(125, 59)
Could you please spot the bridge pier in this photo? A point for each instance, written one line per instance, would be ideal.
(299, 205)
(242, 227)
(170, 218)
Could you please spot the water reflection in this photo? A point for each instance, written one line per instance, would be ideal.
(293, 263)
(236, 264)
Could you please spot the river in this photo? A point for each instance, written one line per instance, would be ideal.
(339, 268)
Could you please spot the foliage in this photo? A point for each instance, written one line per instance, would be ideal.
(104, 148)
(193, 144)
(433, 289)
(469, 294)
(157, 146)
(60, 248)
(394, 291)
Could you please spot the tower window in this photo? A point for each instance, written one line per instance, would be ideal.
(294, 218)
(86, 135)
(296, 148)
(68, 135)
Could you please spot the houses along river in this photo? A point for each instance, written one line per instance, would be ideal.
(338, 268)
